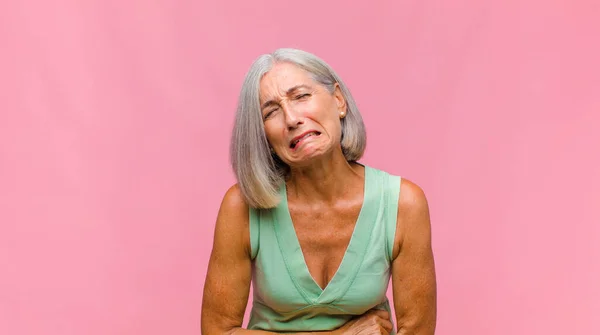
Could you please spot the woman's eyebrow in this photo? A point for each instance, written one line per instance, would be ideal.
(295, 88)
(268, 104)
(289, 91)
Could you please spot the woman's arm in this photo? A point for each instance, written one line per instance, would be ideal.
(229, 273)
(413, 270)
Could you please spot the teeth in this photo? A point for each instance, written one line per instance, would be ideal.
(303, 137)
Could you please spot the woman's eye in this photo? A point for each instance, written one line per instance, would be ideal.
(301, 96)
(269, 113)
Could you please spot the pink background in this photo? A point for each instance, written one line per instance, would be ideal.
(114, 126)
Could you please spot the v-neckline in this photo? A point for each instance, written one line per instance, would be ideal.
(294, 257)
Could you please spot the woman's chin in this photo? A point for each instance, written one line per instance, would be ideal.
(307, 157)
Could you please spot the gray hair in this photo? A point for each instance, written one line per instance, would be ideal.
(260, 172)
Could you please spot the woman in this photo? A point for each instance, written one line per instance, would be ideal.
(317, 233)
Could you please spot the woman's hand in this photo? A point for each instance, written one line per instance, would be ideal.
(374, 322)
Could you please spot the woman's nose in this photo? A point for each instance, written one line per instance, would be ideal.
(292, 118)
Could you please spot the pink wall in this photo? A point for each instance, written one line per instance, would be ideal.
(115, 117)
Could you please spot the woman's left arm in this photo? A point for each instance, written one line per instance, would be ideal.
(413, 270)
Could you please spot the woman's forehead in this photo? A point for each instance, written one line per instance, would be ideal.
(283, 77)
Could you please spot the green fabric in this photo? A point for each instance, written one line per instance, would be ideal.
(285, 296)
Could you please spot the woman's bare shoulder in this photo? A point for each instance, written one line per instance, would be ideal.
(233, 213)
(412, 198)
(233, 201)
(413, 215)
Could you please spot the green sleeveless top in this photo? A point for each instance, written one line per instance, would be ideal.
(285, 296)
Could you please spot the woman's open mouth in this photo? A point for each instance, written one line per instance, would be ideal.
(299, 139)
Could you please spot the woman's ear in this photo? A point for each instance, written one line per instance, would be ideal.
(339, 98)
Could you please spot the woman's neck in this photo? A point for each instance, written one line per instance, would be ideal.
(325, 180)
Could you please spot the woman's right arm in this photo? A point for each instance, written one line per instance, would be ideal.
(229, 271)
(229, 274)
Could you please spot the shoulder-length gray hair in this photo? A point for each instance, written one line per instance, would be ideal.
(259, 171)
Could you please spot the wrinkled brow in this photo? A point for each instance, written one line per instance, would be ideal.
(288, 92)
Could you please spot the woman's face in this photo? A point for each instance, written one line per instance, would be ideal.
(301, 117)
